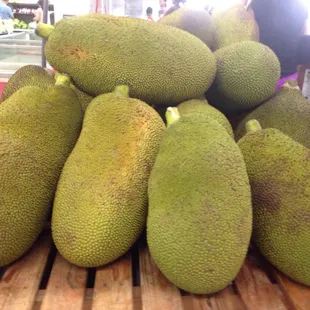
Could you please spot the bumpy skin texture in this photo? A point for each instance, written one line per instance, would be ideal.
(201, 106)
(30, 75)
(101, 201)
(233, 26)
(279, 172)
(288, 111)
(84, 98)
(160, 64)
(38, 130)
(200, 218)
(197, 22)
(247, 75)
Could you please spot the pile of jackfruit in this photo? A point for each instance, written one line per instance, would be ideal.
(173, 128)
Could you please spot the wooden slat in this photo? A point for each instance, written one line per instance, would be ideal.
(198, 302)
(66, 286)
(256, 290)
(227, 300)
(157, 292)
(20, 283)
(113, 286)
(297, 294)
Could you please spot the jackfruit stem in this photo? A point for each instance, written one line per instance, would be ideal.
(121, 90)
(63, 79)
(291, 84)
(44, 30)
(253, 126)
(172, 116)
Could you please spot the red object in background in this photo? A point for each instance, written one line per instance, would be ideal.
(2, 84)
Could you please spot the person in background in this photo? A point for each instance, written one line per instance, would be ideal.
(5, 11)
(281, 25)
(149, 14)
(176, 5)
(39, 12)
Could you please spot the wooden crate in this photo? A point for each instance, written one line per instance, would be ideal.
(42, 279)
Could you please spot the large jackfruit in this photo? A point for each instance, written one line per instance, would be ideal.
(161, 64)
(279, 172)
(200, 218)
(247, 75)
(197, 22)
(234, 25)
(201, 106)
(38, 130)
(101, 201)
(288, 111)
(30, 75)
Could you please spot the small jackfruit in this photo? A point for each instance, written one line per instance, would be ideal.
(288, 111)
(234, 25)
(130, 51)
(247, 75)
(201, 106)
(200, 218)
(29, 75)
(101, 201)
(279, 172)
(197, 22)
(38, 130)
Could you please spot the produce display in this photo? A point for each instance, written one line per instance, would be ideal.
(287, 110)
(134, 133)
(197, 22)
(20, 24)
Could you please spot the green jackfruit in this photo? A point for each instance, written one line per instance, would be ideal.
(38, 130)
(30, 75)
(201, 106)
(200, 218)
(247, 75)
(288, 111)
(279, 172)
(162, 64)
(197, 22)
(101, 201)
(84, 98)
(234, 25)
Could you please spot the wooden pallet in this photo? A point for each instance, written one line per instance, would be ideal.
(43, 280)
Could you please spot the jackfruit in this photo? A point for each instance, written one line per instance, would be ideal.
(197, 22)
(38, 130)
(101, 201)
(279, 172)
(247, 74)
(84, 98)
(234, 25)
(200, 218)
(288, 111)
(30, 75)
(201, 106)
(161, 64)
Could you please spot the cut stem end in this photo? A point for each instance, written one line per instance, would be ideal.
(172, 116)
(253, 126)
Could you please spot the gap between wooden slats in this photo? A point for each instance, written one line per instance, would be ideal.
(157, 293)
(20, 283)
(66, 286)
(298, 295)
(113, 286)
(227, 299)
(256, 290)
